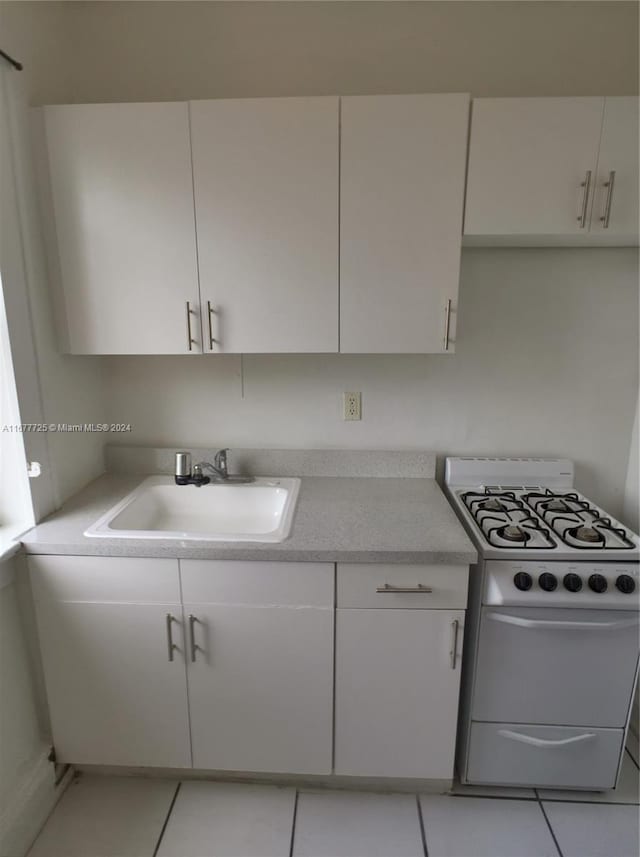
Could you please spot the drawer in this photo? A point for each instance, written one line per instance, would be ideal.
(304, 584)
(108, 579)
(445, 586)
(544, 756)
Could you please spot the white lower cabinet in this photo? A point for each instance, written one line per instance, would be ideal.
(243, 659)
(397, 685)
(260, 688)
(260, 664)
(117, 695)
(230, 665)
(114, 696)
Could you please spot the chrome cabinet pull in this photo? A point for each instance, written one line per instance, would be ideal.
(586, 184)
(192, 637)
(607, 205)
(210, 312)
(171, 646)
(545, 742)
(190, 340)
(561, 625)
(447, 323)
(387, 588)
(454, 643)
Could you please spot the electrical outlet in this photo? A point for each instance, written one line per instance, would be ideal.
(352, 406)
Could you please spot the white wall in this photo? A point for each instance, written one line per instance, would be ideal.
(544, 365)
(631, 501)
(140, 51)
(52, 388)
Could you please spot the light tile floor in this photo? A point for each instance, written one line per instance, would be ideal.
(136, 817)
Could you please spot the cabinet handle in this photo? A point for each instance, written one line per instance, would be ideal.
(170, 644)
(387, 588)
(190, 341)
(607, 206)
(192, 637)
(454, 643)
(586, 184)
(544, 742)
(210, 312)
(447, 323)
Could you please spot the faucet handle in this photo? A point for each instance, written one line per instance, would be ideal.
(220, 461)
(183, 464)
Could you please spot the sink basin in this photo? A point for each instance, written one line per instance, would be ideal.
(260, 511)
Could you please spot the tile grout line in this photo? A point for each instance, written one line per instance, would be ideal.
(166, 821)
(551, 831)
(422, 831)
(633, 758)
(589, 802)
(293, 823)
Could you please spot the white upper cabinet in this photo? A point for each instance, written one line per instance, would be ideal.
(528, 161)
(266, 193)
(539, 171)
(401, 201)
(615, 207)
(122, 195)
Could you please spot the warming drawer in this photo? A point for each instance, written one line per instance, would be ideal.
(555, 666)
(513, 754)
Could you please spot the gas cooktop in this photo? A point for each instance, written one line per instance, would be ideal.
(539, 515)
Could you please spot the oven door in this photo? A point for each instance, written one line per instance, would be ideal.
(569, 667)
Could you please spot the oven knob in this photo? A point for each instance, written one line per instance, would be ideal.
(626, 584)
(522, 581)
(572, 582)
(548, 582)
(598, 583)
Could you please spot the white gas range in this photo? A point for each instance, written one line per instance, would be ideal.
(551, 645)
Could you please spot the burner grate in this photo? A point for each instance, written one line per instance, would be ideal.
(576, 522)
(505, 521)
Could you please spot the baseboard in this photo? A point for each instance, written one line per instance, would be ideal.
(329, 781)
(33, 799)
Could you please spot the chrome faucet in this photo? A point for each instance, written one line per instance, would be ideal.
(184, 475)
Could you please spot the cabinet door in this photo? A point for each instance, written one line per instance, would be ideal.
(397, 683)
(266, 190)
(615, 211)
(401, 198)
(115, 697)
(123, 202)
(261, 687)
(528, 160)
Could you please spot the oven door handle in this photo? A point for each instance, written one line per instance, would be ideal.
(542, 742)
(554, 624)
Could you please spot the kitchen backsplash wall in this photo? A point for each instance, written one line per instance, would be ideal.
(545, 364)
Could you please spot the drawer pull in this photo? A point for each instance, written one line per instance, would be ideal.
(210, 312)
(586, 186)
(607, 206)
(192, 638)
(542, 742)
(171, 646)
(190, 340)
(521, 622)
(387, 589)
(447, 323)
(454, 643)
